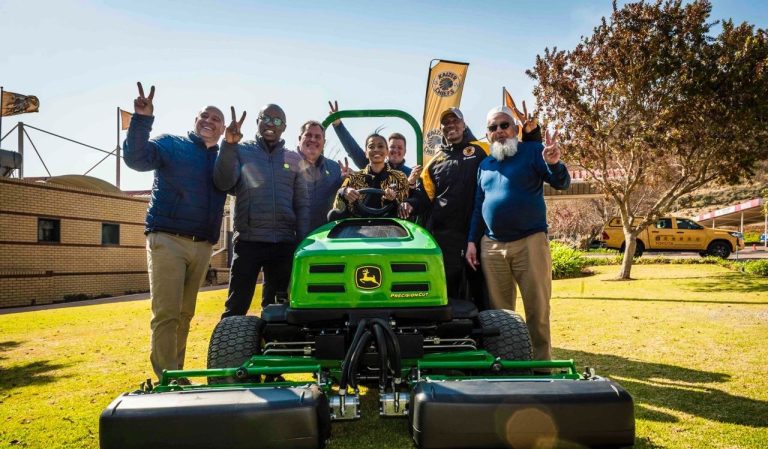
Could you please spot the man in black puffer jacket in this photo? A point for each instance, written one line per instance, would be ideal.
(271, 211)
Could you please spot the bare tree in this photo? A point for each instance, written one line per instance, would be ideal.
(654, 106)
(578, 222)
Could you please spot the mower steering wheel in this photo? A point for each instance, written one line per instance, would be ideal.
(373, 211)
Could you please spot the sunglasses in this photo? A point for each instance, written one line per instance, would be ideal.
(493, 128)
(277, 121)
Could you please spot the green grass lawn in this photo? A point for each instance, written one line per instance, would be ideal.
(687, 341)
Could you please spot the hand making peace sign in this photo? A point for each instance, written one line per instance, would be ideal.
(345, 170)
(528, 121)
(143, 105)
(334, 108)
(232, 134)
(551, 151)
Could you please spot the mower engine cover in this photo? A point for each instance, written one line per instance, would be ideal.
(368, 263)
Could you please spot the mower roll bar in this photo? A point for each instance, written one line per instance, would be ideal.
(366, 113)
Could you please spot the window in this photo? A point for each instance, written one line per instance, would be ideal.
(374, 228)
(664, 223)
(687, 224)
(48, 230)
(110, 234)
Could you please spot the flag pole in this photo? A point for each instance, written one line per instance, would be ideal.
(117, 151)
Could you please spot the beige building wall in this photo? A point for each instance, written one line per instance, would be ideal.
(33, 272)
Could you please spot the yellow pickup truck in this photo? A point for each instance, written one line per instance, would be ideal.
(676, 234)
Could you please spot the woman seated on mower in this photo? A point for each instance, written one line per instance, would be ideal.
(354, 198)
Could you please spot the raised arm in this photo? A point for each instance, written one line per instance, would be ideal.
(347, 141)
(557, 174)
(226, 172)
(139, 153)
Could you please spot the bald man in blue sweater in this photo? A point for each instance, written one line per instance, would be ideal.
(510, 223)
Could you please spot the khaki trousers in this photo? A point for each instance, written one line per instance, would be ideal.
(177, 267)
(527, 264)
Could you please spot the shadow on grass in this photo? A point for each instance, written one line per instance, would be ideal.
(646, 443)
(654, 385)
(19, 376)
(5, 346)
(738, 283)
(691, 301)
(33, 373)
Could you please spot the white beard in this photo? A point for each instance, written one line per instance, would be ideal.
(499, 151)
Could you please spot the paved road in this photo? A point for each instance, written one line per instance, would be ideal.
(748, 253)
(90, 302)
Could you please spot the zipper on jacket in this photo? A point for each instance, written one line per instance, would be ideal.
(274, 196)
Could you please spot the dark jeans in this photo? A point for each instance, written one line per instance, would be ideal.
(462, 282)
(250, 258)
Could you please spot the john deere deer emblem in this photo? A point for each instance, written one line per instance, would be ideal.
(368, 277)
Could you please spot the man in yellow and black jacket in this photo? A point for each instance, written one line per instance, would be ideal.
(445, 194)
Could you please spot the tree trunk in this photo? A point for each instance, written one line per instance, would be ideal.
(629, 255)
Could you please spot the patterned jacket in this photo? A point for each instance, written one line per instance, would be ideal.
(364, 179)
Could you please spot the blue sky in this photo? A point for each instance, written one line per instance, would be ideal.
(83, 58)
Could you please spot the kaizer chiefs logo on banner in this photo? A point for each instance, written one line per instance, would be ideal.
(368, 277)
(446, 84)
(432, 141)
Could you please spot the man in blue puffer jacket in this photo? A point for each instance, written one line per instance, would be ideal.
(271, 211)
(182, 224)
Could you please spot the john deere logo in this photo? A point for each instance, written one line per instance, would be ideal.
(446, 84)
(368, 277)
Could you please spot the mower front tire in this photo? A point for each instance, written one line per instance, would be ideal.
(513, 342)
(234, 340)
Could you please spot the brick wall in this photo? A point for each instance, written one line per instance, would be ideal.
(33, 272)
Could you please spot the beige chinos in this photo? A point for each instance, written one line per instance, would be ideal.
(177, 267)
(525, 263)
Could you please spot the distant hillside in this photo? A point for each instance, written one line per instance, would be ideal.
(717, 197)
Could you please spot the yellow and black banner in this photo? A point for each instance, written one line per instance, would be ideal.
(444, 87)
(12, 104)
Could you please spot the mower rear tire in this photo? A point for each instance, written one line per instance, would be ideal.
(234, 340)
(513, 342)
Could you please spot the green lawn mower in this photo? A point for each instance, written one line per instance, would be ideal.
(367, 305)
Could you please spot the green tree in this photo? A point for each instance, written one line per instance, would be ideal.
(655, 106)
